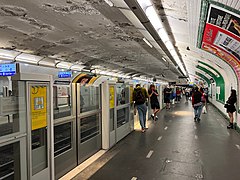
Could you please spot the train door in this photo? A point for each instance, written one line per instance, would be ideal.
(131, 108)
(65, 155)
(89, 129)
(39, 135)
(122, 111)
(117, 112)
(13, 133)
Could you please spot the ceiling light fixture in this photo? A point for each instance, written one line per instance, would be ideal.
(8, 54)
(148, 8)
(63, 65)
(164, 59)
(110, 3)
(147, 42)
(28, 58)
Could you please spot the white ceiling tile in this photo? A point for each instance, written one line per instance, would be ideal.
(224, 1)
(229, 3)
(234, 4)
(238, 5)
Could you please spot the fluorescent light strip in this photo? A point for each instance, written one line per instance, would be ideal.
(164, 59)
(110, 3)
(147, 42)
(152, 15)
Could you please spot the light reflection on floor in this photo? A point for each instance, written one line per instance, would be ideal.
(183, 113)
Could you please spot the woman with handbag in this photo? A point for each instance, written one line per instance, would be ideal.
(231, 107)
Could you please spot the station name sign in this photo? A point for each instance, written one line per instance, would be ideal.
(64, 74)
(7, 69)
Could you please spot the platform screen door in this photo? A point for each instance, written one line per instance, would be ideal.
(38, 128)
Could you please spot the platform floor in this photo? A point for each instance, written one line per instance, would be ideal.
(173, 148)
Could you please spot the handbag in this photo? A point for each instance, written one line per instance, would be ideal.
(226, 105)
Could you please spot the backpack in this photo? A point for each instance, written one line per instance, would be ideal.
(139, 96)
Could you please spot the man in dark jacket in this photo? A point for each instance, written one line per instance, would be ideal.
(140, 96)
(197, 104)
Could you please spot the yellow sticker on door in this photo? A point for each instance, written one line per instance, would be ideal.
(38, 106)
(111, 97)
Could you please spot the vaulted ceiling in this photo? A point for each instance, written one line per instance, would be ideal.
(95, 35)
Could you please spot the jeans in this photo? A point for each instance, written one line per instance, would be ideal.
(142, 113)
(198, 111)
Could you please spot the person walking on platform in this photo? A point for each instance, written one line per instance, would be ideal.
(178, 95)
(187, 94)
(153, 94)
(231, 107)
(139, 97)
(204, 103)
(197, 104)
(167, 94)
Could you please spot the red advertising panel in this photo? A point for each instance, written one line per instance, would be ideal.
(222, 36)
(224, 44)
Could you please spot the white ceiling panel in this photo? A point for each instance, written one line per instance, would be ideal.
(238, 5)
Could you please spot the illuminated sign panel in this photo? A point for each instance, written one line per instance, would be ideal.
(65, 74)
(7, 69)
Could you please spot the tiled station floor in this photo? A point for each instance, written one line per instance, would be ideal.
(173, 148)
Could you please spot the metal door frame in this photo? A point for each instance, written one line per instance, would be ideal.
(47, 172)
(124, 130)
(79, 116)
(73, 151)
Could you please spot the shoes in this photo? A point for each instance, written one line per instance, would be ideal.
(156, 118)
(195, 119)
(230, 126)
(143, 130)
(198, 119)
(152, 116)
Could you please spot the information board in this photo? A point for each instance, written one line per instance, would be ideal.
(64, 74)
(38, 106)
(7, 69)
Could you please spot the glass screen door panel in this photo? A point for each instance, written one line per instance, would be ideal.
(39, 110)
(89, 98)
(39, 150)
(62, 138)
(10, 161)
(89, 127)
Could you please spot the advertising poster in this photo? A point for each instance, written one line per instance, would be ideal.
(131, 94)
(62, 95)
(222, 36)
(111, 97)
(38, 106)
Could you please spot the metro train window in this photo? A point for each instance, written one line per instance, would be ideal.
(122, 91)
(89, 98)
(61, 101)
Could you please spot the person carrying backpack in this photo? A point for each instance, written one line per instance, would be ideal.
(197, 104)
(139, 97)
